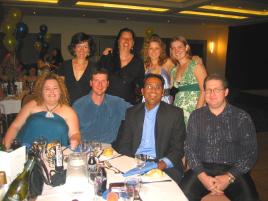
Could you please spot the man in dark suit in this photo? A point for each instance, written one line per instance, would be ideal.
(154, 128)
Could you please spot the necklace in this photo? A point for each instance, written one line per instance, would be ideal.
(49, 113)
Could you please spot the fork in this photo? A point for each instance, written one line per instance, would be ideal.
(109, 166)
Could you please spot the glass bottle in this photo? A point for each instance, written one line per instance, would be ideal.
(19, 188)
(58, 158)
(2, 146)
(3, 183)
(9, 88)
(92, 163)
(104, 179)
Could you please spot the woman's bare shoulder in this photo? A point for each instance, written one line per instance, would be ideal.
(67, 110)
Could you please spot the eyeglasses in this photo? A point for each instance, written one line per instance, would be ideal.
(156, 87)
(216, 91)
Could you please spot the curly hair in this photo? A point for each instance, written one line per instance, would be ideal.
(80, 38)
(40, 82)
(184, 42)
(162, 57)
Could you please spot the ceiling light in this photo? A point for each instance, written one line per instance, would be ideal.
(121, 6)
(188, 12)
(235, 10)
(40, 1)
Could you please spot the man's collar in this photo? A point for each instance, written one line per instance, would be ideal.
(153, 109)
(226, 109)
(91, 100)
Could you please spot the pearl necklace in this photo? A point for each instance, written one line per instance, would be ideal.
(49, 113)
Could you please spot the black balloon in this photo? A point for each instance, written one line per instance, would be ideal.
(43, 29)
(21, 30)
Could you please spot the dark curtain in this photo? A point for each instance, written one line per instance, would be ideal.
(247, 57)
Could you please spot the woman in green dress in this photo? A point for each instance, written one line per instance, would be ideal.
(188, 76)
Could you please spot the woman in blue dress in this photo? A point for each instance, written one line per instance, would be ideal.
(156, 62)
(48, 115)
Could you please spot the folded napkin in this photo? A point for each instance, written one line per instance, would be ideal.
(148, 166)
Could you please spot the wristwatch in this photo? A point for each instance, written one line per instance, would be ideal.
(231, 179)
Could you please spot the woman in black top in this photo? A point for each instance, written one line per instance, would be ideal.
(77, 71)
(125, 67)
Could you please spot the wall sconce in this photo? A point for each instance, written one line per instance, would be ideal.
(211, 46)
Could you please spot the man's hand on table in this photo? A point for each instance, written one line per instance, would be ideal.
(161, 165)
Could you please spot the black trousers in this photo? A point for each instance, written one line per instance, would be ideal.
(243, 189)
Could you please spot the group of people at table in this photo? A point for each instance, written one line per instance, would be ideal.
(219, 142)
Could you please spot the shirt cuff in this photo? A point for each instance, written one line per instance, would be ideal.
(168, 162)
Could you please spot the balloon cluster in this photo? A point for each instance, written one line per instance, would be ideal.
(15, 30)
(42, 39)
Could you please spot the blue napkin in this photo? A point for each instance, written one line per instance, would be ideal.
(148, 166)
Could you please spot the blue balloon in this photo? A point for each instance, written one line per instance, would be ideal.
(45, 45)
(43, 29)
(21, 30)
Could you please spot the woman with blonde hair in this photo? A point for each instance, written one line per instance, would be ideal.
(156, 60)
(48, 115)
(188, 76)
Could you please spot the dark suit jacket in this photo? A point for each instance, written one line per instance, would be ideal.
(169, 134)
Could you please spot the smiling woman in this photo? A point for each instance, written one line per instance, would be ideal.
(48, 115)
(188, 76)
(125, 68)
(77, 71)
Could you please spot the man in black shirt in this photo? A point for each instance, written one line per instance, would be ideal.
(220, 147)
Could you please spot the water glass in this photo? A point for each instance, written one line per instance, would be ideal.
(140, 160)
(85, 146)
(132, 186)
(98, 184)
(97, 147)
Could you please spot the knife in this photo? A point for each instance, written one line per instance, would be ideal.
(117, 156)
(149, 182)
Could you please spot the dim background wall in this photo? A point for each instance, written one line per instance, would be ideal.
(68, 26)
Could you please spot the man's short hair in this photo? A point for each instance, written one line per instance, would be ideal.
(96, 71)
(152, 75)
(216, 77)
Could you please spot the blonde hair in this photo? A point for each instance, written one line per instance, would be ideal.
(162, 57)
(40, 82)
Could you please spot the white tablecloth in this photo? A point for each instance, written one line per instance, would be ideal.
(165, 191)
(9, 106)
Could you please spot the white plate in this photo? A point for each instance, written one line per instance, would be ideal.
(147, 177)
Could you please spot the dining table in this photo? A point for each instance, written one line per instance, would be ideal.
(152, 188)
(10, 105)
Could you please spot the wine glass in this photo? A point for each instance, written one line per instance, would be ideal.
(140, 160)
